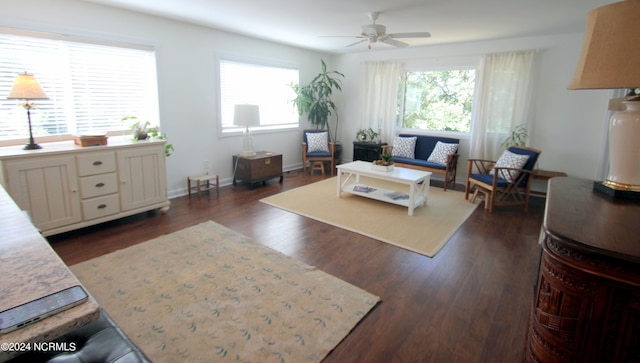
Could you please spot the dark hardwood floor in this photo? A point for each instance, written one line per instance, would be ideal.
(467, 304)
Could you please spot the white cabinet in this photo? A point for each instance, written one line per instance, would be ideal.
(47, 187)
(143, 179)
(65, 187)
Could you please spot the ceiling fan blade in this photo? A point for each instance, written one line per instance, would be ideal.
(395, 43)
(358, 42)
(342, 36)
(411, 35)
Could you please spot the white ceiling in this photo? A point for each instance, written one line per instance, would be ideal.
(304, 22)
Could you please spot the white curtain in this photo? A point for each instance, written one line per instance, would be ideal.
(503, 100)
(381, 96)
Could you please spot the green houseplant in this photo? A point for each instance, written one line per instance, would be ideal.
(518, 137)
(315, 100)
(143, 130)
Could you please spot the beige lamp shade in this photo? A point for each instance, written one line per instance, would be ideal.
(611, 48)
(26, 87)
(246, 115)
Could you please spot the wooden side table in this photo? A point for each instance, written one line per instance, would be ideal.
(259, 168)
(545, 175)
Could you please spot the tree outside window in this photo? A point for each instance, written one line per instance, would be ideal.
(438, 100)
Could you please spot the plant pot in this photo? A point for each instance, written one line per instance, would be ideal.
(382, 167)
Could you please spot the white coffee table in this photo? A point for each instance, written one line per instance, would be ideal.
(418, 181)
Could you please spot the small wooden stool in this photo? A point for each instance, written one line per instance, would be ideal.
(316, 165)
(203, 183)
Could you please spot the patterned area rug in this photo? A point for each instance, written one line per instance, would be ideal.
(207, 293)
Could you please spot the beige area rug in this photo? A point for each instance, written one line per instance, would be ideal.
(426, 232)
(209, 294)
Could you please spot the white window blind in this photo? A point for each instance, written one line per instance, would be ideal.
(265, 86)
(90, 86)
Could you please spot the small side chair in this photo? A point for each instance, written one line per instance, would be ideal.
(501, 183)
(316, 147)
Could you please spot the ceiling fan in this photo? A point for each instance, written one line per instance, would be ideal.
(374, 33)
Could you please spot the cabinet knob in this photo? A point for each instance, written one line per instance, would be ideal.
(124, 182)
(74, 190)
(102, 206)
(99, 185)
(97, 163)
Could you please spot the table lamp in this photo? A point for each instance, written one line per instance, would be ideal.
(247, 116)
(609, 60)
(26, 88)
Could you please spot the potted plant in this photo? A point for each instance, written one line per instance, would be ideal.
(518, 137)
(143, 130)
(372, 134)
(384, 163)
(315, 100)
(361, 135)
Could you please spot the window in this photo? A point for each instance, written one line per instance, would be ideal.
(438, 100)
(262, 85)
(90, 86)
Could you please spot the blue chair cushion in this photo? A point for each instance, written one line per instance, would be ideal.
(487, 179)
(417, 162)
(319, 154)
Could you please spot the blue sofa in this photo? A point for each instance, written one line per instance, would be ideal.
(424, 146)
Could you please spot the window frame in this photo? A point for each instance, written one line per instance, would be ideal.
(65, 100)
(468, 63)
(227, 131)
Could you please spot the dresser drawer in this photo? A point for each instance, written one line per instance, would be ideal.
(96, 163)
(100, 206)
(97, 185)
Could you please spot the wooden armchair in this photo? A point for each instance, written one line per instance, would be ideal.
(503, 185)
(313, 152)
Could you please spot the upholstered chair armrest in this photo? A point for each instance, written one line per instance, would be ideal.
(332, 147)
(483, 166)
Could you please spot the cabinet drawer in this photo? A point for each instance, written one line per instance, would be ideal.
(100, 206)
(96, 163)
(97, 185)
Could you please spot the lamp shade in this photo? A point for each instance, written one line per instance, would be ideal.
(611, 48)
(246, 115)
(26, 87)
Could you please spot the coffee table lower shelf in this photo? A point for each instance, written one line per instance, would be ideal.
(381, 195)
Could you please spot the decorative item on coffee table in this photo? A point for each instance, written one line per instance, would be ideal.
(384, 164)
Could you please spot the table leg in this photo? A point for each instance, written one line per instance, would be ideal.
(339, 179)
(412, 193)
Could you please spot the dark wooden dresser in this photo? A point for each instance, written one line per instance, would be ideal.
(259, 168)
(586, 305)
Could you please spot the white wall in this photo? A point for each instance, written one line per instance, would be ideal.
(186, 77)
(568, 126)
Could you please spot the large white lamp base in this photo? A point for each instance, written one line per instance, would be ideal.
(623, 180)
(247, 143)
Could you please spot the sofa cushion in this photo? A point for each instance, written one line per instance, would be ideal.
(441, 152)
(426, 143)
(317, 141)
(418, 162)
(510, 160)
(404, 146)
